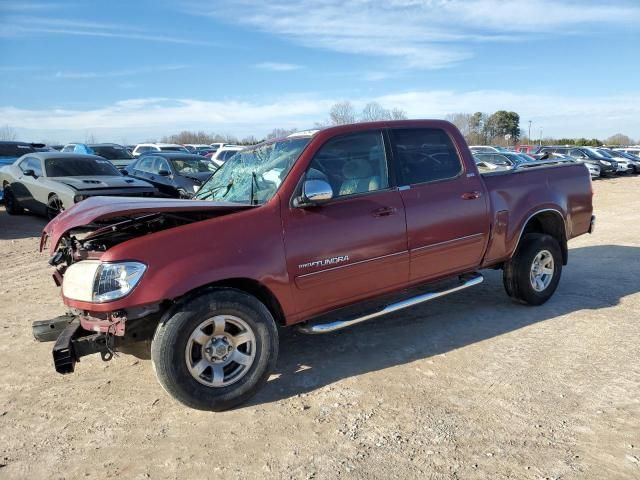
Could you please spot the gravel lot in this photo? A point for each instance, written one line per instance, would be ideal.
(469, 386)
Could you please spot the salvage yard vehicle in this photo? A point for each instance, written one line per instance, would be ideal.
(633, 160)
(224, 153)
(176, 175)
(143, 148)
(323, 229)
(47, 183)
(116, 154)
(587, 155)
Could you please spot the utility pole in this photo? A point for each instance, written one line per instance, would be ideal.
(529, 131)
(540, 143)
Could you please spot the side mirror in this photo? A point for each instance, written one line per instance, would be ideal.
(29, 173)
(124, 172)
(164, 173)
(315, 192)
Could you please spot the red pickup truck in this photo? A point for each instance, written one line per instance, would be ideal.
(323, 229)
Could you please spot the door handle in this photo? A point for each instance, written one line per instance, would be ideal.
(471, 195)
(384, 211)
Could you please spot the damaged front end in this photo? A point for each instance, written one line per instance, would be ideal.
(77, 242)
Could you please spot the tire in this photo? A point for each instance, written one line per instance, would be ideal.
(178, 359)
(11, 205)
(54, 207)
(518, 272)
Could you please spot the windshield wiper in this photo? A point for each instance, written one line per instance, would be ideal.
(254, 181)
(214, 190)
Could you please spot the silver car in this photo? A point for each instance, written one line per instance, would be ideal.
(48, 182)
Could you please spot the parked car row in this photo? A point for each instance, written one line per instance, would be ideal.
(600, 161)
(46, 182)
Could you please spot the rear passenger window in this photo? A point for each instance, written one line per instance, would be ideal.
(145, 164)
(425, 155)
(352, 164)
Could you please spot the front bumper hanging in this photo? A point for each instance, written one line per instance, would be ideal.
(73, 341)
(71, 345)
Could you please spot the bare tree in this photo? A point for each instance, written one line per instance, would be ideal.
(342, 113)
(280, 132)
(619, 139)
(373, 111)
(8, 134)
(461, 120)
(398, 114)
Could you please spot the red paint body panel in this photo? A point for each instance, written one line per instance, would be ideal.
(436, 229)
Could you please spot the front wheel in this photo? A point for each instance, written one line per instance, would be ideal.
(533, 274)
(215, 351)
(54, 207)
(11, 204)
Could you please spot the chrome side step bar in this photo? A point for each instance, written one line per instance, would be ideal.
(466, 282)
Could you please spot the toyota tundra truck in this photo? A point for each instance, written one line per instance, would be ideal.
(321, 229)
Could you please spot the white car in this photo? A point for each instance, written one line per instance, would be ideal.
(594, 170)
(225, 153)
(158, 147)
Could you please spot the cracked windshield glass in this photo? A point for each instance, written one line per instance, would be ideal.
(253, 175)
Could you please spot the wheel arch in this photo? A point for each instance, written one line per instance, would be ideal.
(246, 285)
(550, 222)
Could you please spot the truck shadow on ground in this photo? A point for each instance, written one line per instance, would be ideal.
(20, 226)
(597, 277)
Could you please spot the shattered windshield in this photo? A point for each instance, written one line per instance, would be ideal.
(253, 175)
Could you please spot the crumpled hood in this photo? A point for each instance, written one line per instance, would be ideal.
(101, 182)
(96, 209)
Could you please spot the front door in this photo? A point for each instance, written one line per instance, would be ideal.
(23, 188)
(447, 210)
(355, 246)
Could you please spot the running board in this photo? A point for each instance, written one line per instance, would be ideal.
(466, 281)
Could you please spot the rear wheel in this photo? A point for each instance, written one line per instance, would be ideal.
(216, 350)
(533, 274)
(11, 205)
(54, 207)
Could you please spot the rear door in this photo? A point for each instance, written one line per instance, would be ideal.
(355, 246)
(142, 168)
(446, 207)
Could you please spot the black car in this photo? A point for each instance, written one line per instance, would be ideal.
(176, 175)
(587, 155)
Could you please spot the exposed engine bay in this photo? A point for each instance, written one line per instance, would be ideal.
(88, 241)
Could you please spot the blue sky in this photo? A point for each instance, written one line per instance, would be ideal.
(128, 71)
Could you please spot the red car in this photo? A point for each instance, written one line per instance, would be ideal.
(299, 231)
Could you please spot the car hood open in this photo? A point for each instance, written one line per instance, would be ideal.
(100, 209)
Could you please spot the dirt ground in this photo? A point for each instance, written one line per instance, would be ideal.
(469, 386)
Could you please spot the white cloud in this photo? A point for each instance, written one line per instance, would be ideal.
(425, 34)
(21, 25)
(278, 67)
(116, 73)
(137, 119)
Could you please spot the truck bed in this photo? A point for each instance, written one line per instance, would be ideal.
(517, 194)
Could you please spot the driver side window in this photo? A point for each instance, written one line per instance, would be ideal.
(352, 164)
(31, 163)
